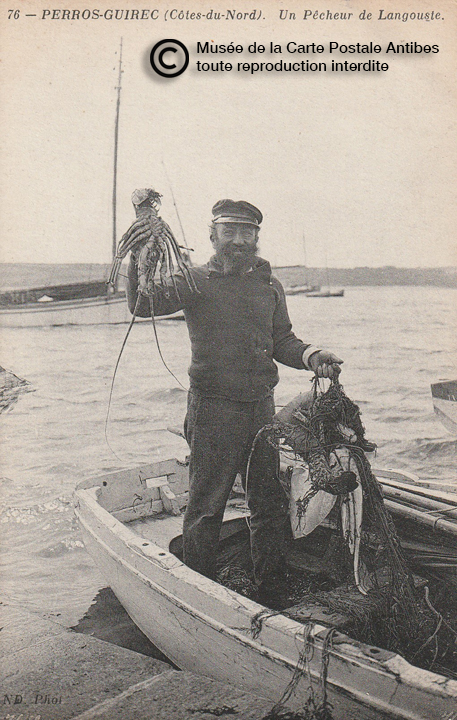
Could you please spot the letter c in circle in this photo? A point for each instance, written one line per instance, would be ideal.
(161, 66)
(161, 60)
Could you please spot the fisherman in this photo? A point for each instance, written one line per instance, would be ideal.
(239, 326)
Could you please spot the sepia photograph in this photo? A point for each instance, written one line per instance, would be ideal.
(228, 360)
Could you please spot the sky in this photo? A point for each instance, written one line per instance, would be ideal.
(349, 169)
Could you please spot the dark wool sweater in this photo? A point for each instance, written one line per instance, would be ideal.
(238, 325)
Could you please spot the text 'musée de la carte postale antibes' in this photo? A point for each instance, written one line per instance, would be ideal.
(299, 64)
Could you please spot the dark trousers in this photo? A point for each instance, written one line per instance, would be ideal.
(220, 434)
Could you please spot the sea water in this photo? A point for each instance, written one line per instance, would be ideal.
(395, 342)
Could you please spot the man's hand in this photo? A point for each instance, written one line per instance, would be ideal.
(325, 364)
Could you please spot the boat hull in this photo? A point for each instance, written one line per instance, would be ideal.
(87, 311)
(207, 629)
(444, 395)
(301, 289)
(326, 294)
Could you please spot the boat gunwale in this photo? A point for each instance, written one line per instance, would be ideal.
(36, 307)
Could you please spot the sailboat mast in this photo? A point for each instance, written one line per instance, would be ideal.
(189, 259)
(327, 274)
(116, 136)
(304, 260)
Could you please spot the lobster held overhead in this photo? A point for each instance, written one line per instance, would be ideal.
(152, 244)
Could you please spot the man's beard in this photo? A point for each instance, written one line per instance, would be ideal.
(237, 261)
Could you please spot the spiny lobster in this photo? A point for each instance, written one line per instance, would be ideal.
(153, 245)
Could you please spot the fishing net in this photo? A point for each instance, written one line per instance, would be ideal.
(396, 611)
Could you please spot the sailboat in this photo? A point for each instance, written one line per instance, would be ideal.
(326, 293)
(306, 288)
(82, 303)
(86, 303)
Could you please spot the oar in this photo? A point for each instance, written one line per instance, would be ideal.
(447, 526)
(413, 500)
(448, 497)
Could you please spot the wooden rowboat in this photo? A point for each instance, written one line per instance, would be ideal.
(131, 523)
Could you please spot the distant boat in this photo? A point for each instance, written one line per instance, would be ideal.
(301, 289)
(326, 293)
(444, 396)
(306, 287)
(316, 291)
(87, 303)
